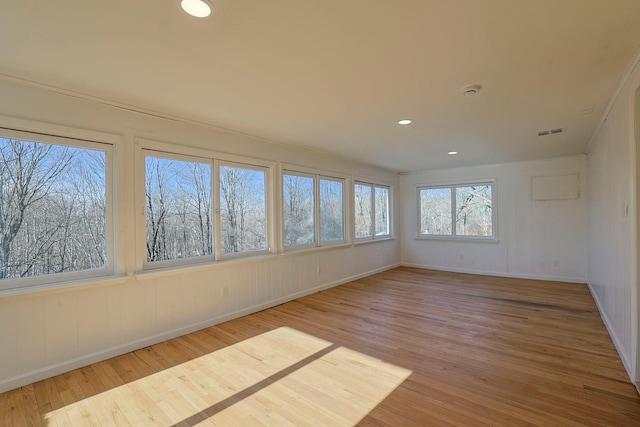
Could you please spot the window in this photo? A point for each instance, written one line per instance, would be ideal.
(371, 204)
(381, 211)
(307, 197)
(178, 208)
(299, 206)
(363, 207)
(55, 215)
(200, 209)
(331, 210)
(461, 210)
(243, 208)
(435, 213)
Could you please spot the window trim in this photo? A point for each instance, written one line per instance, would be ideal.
(373, 236)
(188, 151)
(344, 215)
(492, 182)
(317, 175)
(76, 138)
(170, 263)
(314, 244)
(219, 255)
(388, 233)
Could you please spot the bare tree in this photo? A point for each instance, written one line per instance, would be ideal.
(363, 201)
(202, 188)
(178, 209)
(242, 209)
(381, 208)
(27, 172)
(156, 198)
(435, 211)
(473, 210)
(331, 210)
(88, 186)
(298, 210)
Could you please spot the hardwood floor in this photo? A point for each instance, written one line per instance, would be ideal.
(404, 347)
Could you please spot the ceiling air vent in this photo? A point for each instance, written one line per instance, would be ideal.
(550, 132)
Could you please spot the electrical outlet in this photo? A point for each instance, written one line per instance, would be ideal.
(556, 263)
(224, 291)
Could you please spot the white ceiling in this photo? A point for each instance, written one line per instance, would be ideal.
(337, 75)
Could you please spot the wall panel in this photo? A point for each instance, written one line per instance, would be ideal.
(612, 171)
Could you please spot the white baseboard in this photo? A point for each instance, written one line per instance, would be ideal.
(612, 333)
(68, 365)
(497, 273)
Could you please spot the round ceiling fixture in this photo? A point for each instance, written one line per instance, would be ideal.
(470, 90)
(405, 122)
(197, 8)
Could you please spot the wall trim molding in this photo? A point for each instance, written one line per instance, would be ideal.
(497, 273)
(614, 337)
(635, 61)
(78, 362)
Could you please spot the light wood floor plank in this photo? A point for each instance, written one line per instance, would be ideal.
(32, 417)
(406, 347)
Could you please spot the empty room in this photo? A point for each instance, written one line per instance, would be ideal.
(300, 213)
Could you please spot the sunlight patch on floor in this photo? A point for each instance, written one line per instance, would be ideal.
(338, 389)
(281, 377)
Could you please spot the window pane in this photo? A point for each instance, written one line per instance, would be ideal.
(178, 208)
(435, 211)
(53, 209)
(331, 210)
(363, 195)
(299, 206)
(382, 211)
(473, 211)
(243, 209)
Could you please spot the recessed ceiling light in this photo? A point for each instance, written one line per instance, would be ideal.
(197, 8)
(452, 152)
(404, 122)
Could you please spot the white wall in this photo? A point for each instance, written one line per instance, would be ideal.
(612, 276)
(537, 239)
(43, 333)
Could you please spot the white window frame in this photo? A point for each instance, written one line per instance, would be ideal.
(189, 153)
(373, 235)
(344, 211)
(492, 182)
(217, 213)
(77, 138)
(388, 234)
(152, 265)
(315, 211)
(317, 175)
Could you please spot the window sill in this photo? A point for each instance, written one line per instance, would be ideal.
(174, 270)
(378, 240)
(52, 288)
(154, 273)
(459, 239)
(306, 250)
